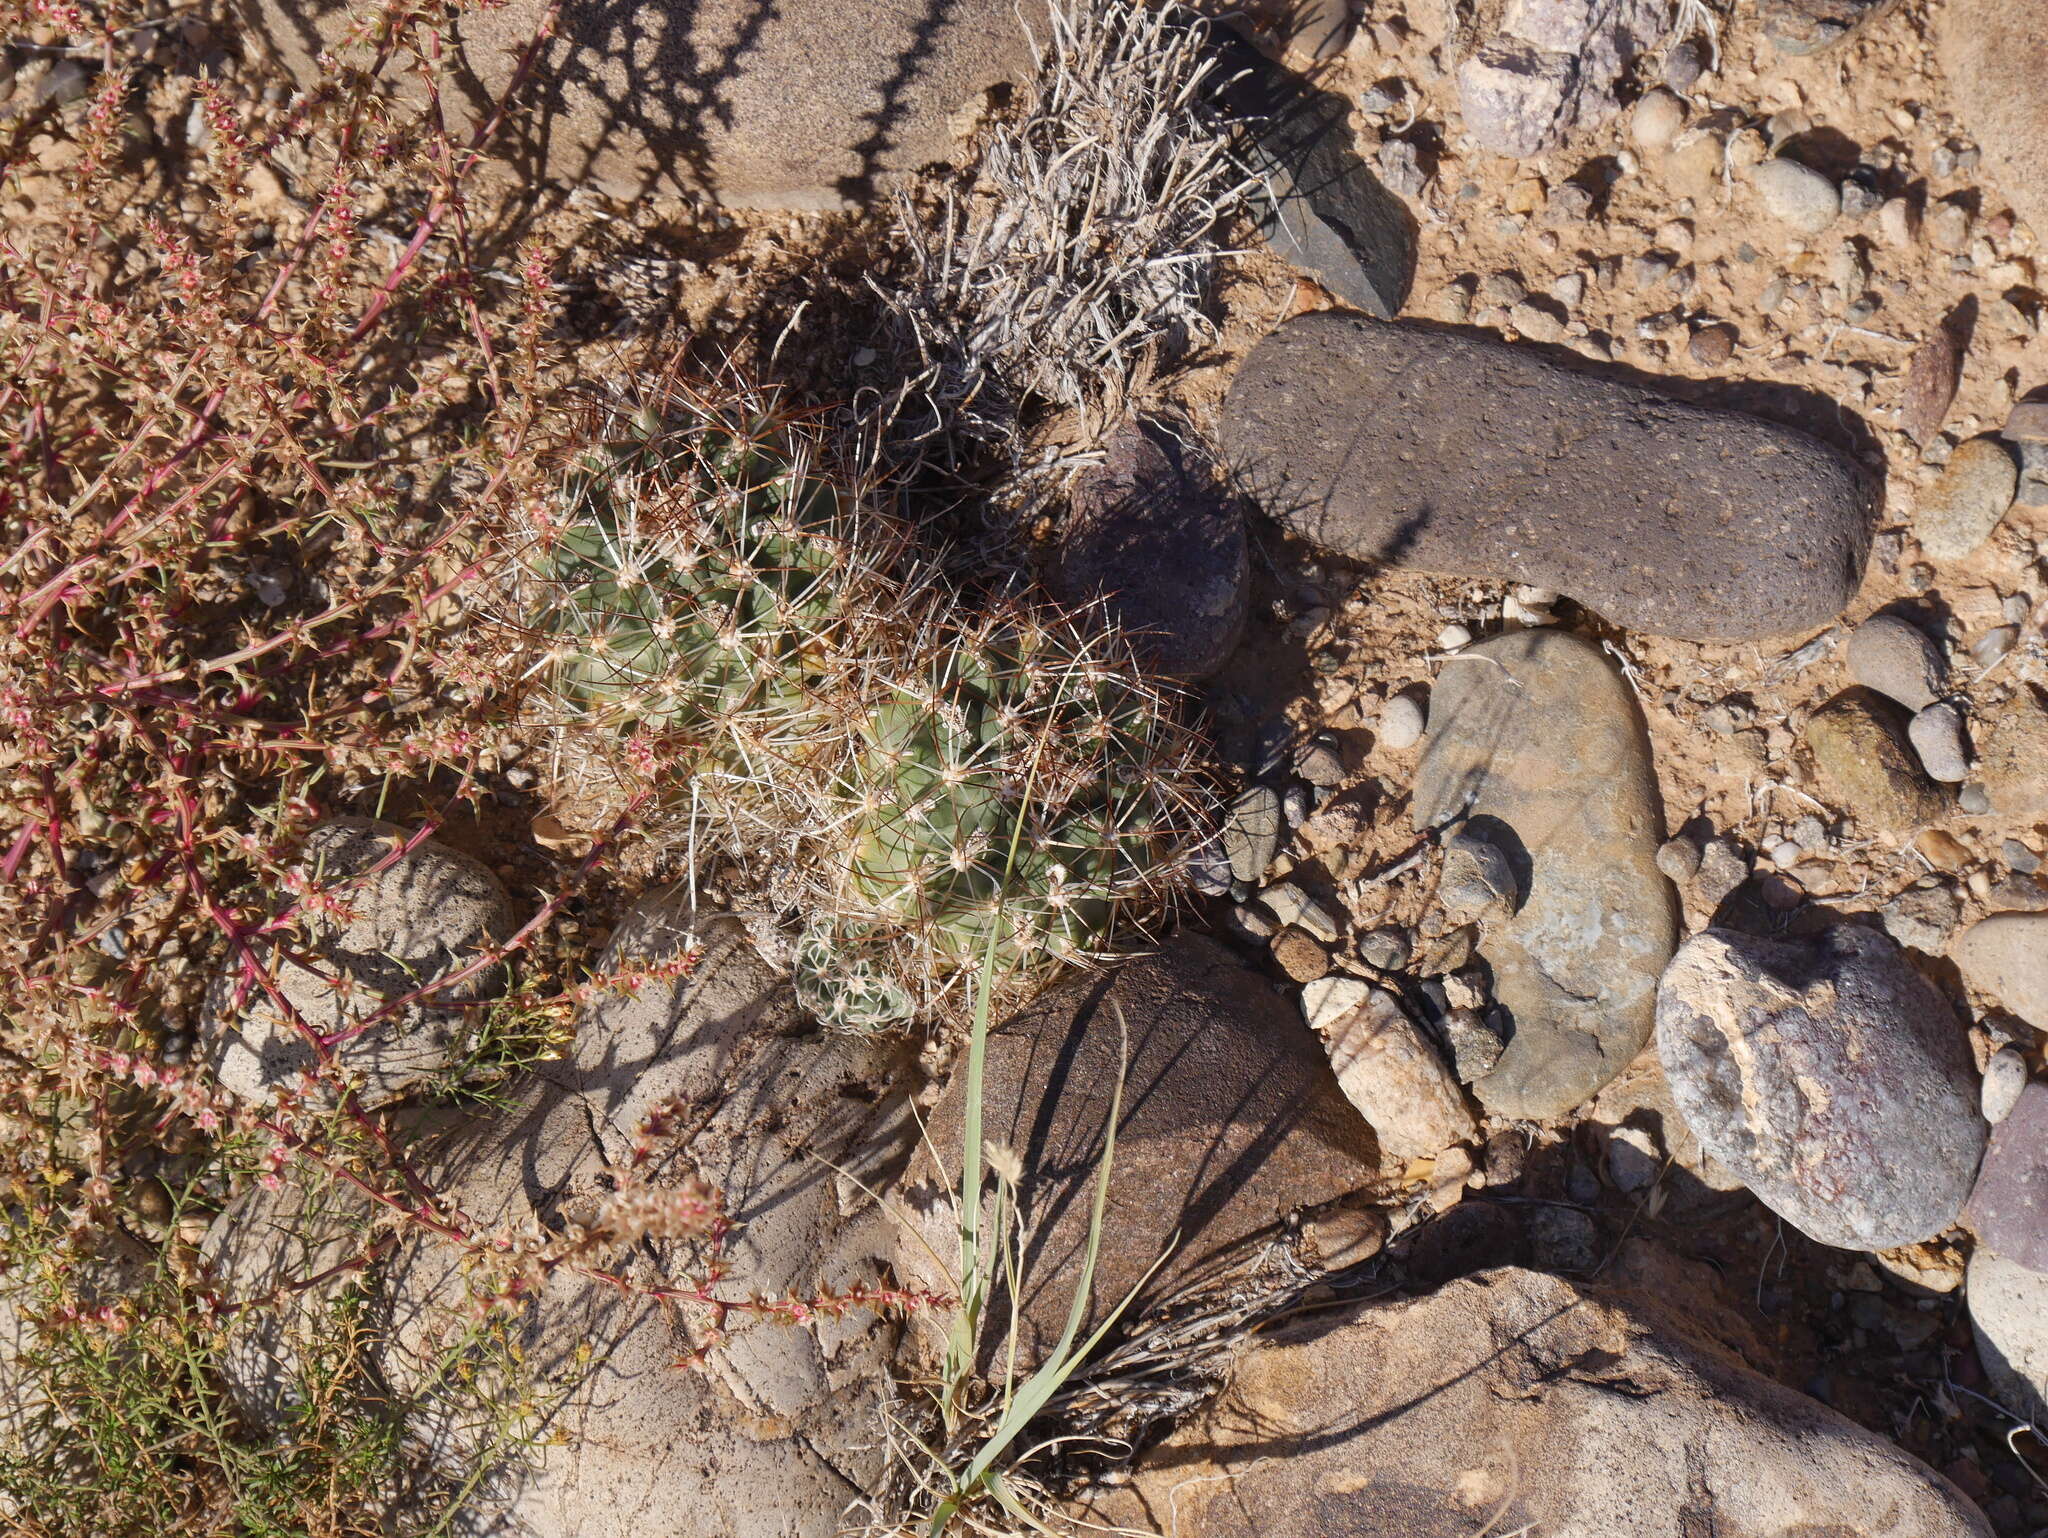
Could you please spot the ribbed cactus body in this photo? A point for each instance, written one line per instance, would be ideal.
(915, 776)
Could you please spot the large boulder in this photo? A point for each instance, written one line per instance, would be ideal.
(389, 925)
(791, 105)
(1996, 56)
(1513, 1402)
(1446, 451)
(1231, 1121)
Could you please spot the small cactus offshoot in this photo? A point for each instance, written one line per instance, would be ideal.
(913, 779)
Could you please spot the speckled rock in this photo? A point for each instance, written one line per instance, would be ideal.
(1150, 532)
(1867, 766)
(2006, 956)
(1807, 26)
(1827, 1074)
(424, 916)
(795, 105)
(1546, 67)
(1959, 511)
(1390, 1072)
(1894, 656)
(1994, 57)
(2009, 1208)
(2011, 748)
(1444, 451)
(1569, 1411)
(2005, 1077)
(1536, 738)
(1232, 1119)
(2009, 1313)
(1797, 196)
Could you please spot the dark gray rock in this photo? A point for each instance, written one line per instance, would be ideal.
(1827, 1074)
(2009, 1208)
(1536, 739)
(1151, 533)
(1319, 204)
(1231, 1119)
(1444, 451)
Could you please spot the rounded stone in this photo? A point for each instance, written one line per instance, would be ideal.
(2009, 1315)
(1938, 737)
(1898, 659)
(1994, 56)
(1867, 766)
(1656, 121)
(1975, 492)
(797, 105)
(1797, 196)
(2006, 956)
(1402, 722)
(1444, 451)
(1538, 744)
(2009, 1207)
(1151, 535)
(1828, 1075)
(2004, 1077)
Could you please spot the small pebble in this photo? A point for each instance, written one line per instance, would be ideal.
(2004, 1077)
(1291, 905)
(1320, 764)
(1994, 644)
(1897, 223)
(1974, 801)
(1785, 854)
(2020, 857)
(1797, 196)
(1386, 949)
(1296, 804)
(1657, 119)
(1401, 722)
(1894, 656)
(1679, 860)
(1976, 490)
(1300, 956)
(1633, 1163)
(1712, 346)
(1938, 738)
(1452, 637)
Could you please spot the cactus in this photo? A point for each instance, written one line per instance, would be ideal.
(908, 776)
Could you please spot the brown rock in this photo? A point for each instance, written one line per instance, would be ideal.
(1388, 1069)
(792, 105)
(1537, 740)
(1231, 1120)
(1300, 954)
(1443, 451)
(2012, 750)
(1932, 374)
(2006, 956)
(1859, 746)
(1512, 1402)
(1995, 57)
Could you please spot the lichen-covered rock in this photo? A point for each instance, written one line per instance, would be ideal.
(1827, 1074)
(1513, 1402)
(1443, 451)
(1861, 748)
(396, 924)
(1231, 1120)
(2009, 1208)
(791, 105)
(1535, 738)
(1545, 67)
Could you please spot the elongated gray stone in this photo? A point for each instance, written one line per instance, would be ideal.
(1451, 452)
(1535, 737)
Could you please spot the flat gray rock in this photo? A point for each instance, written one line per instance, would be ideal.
(1535, 737)
(1451, 452)
(2009, 1314)
(1827, 1074)
(2009, 1208)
